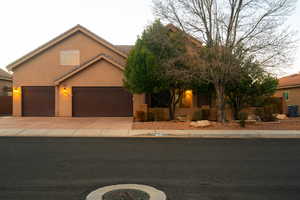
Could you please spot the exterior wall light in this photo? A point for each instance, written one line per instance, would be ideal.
(17, 90)
(65, 91)
(188, 92)
(187, 99)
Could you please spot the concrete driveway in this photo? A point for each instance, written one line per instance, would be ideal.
(115, 123)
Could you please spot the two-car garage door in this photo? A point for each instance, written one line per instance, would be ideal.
(86, 101)
(101, 102)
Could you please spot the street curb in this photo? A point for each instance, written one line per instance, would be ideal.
(74, 133)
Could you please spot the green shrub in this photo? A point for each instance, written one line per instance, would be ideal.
(259, 112)
(276, 104)
(243, 116)
(198, 115)
(150, 117)
(158, 115)
(140, 116)
(202, 114)
(267, 112)
(205, 114)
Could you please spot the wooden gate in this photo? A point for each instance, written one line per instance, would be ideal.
(5, 105)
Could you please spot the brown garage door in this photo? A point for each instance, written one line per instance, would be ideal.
(101, 102)
(38, 101)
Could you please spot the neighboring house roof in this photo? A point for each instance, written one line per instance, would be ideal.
(85, 65)
(5, 75)
(60, 38)
(125, 48)
(289, 81)
(174, 28)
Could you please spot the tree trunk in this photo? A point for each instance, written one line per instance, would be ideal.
(174, 100)
(220, 95)
(235, 112)
(171, 112)
(237, 108)
(171, 108)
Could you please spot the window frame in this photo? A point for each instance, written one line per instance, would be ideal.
(285, 95)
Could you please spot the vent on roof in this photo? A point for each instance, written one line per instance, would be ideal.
(70, 57)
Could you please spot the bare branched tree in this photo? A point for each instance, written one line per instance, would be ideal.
(258, 26)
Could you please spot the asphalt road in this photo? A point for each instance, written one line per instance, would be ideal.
(186, 169)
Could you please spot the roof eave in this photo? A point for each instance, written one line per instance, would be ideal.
(288, 86)
(5, 79)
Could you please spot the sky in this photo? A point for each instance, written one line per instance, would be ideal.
(25, 25)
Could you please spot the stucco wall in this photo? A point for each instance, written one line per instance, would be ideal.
(44, 69)
(294, 95)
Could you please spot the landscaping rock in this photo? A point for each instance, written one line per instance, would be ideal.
(201, 124)
(281, 116)
(251, 117)
(182, 118)
(250, 121)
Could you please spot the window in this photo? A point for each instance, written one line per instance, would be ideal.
(70, 57)
(286, 95)
(203, 99)
(158, 100)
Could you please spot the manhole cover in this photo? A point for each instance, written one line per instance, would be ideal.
(127, 192)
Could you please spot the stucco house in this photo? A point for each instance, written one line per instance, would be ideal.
(75, 74)
(5, 83)
(80, 74)
(289, 89)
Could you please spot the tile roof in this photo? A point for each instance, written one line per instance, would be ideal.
(124, 48)
(4, 74)
(289, 81)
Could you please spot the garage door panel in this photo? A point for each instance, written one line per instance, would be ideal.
(102, 102)
(38, 101)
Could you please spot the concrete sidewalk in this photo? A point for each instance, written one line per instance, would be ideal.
(149, 133)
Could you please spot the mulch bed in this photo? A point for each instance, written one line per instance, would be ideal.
(289, 124)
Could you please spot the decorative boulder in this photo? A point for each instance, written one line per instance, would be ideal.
(251, 117)
(182, 118)
(201, 124)
(281, 116)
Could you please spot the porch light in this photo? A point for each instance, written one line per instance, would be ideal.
(65, 91)
(188, 92)
(187, 99)
(17, 90)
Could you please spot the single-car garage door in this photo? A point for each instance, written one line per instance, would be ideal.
(38, 101)
(101, 102)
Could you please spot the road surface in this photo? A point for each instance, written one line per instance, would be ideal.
(186, 169)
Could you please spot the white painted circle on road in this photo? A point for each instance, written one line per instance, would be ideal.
(154, 193)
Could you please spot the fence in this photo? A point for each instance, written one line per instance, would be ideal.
(5, 105)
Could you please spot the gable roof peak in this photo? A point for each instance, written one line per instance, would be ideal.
(60, 38)
(86, 64)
